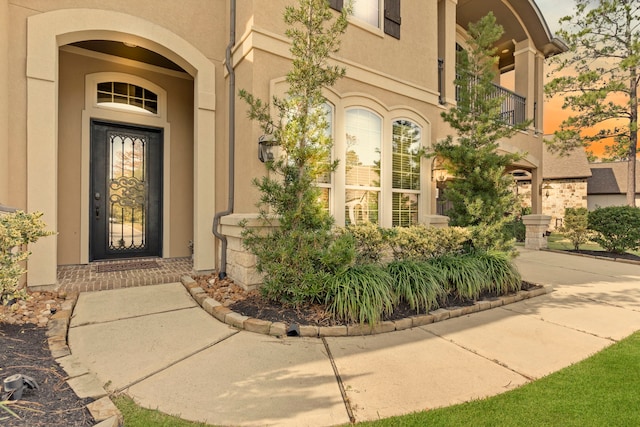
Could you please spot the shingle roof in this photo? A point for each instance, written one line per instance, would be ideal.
(610, 178)
(572, 165)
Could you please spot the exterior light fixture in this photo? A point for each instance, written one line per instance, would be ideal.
(265, 148)
(545, 187)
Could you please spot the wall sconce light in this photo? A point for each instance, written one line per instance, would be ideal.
(545, 187)
(265, 148)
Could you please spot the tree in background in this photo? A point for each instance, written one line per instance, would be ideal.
(481, 192)
(299, 254)
(598, 78)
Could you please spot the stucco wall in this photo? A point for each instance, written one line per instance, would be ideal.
(604, 200)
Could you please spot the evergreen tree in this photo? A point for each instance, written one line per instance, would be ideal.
(297, 256)
(598, 78)
(481, 191)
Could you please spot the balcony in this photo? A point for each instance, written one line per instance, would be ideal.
(514, 106)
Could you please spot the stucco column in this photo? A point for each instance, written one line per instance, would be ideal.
(447, 47)
(438, 221)
(525, 67)
(4, 101)
(539, 94)
(537, 226)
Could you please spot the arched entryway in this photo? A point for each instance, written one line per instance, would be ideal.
(49, 31)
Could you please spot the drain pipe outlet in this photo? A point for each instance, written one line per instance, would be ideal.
(232, 142)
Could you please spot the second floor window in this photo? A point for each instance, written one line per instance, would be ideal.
(367, 11)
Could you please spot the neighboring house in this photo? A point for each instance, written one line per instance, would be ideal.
(608, 184)
(115, 117)
(564, 183)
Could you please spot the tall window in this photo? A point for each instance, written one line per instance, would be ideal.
(362, 163)
(405, 146)
(324, 182)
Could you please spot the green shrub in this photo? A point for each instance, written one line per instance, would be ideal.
(297, 264)
(617, 227)
(575, 226)
(421, 242)
(360, 294)
(17, 229)
(417, 283)
(369, 240)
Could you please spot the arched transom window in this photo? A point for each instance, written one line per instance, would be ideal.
(127, 96)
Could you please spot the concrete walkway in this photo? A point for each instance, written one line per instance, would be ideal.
(163, 350)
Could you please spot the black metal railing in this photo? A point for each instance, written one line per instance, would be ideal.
(514, 107)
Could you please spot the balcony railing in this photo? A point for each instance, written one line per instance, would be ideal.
(514, 107)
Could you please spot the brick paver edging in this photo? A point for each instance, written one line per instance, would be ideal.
(104, 412)
(226, 315)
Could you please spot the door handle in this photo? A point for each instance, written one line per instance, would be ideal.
(97, 211)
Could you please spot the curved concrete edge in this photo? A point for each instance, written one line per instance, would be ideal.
(279, 329)
(602, 258)
(81, 381)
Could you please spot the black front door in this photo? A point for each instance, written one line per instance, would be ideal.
(126, 188)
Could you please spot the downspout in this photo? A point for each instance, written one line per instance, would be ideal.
(232, 142)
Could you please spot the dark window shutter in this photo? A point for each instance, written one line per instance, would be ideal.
(392, 18)
(336, 4)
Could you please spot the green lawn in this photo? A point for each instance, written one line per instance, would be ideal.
(558, 242)
(603, 390)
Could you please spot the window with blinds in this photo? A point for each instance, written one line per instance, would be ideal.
(405, 146)
(362, 165)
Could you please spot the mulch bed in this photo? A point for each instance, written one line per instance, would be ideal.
(24, 350)
(254, 305)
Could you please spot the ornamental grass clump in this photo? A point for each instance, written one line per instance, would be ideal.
(360, 294)
(464, 277)
(501, 275)
(419, 284)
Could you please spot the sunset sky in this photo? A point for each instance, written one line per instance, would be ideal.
(553, 10)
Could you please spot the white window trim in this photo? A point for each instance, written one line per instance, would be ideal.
(95, 110)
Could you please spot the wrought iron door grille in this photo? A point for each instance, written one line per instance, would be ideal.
(128, 192)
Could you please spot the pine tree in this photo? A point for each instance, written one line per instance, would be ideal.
(481, 191)
(298, 255)
(598, 79)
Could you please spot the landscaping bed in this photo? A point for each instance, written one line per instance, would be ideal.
(252, 304)
(25, 351)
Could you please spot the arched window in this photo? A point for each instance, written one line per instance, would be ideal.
(127, 96)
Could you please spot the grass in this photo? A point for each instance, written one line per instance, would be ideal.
(558, 242)
(603, 390)
(135, 416)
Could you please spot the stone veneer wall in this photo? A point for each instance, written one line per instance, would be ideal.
(564, 193)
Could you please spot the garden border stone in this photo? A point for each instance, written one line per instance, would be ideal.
(236, 320)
